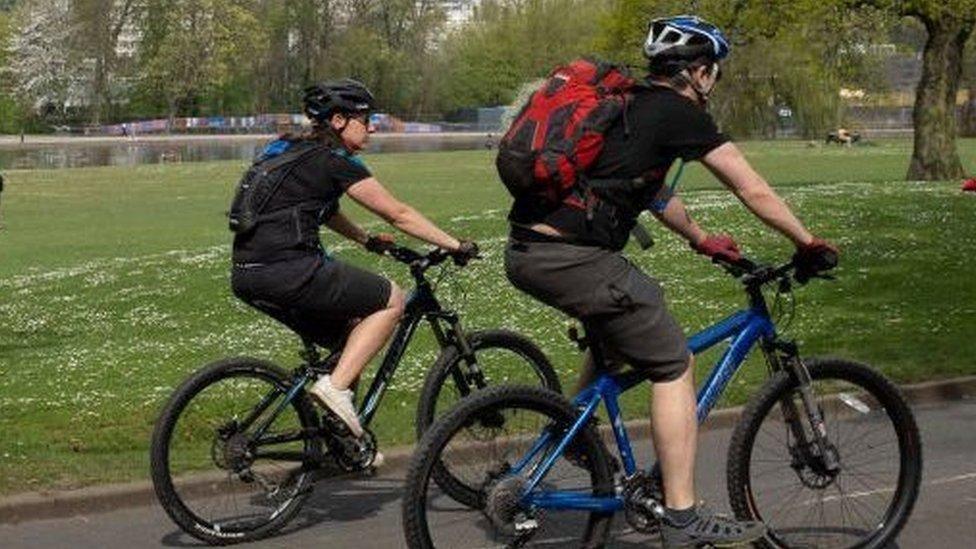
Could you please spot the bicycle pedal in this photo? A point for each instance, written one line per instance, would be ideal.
(369, 472)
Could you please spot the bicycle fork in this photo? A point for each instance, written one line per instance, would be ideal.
(825, 452)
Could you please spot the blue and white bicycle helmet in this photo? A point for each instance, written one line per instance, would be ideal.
(673, 42)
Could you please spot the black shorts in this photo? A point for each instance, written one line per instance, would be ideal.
(316, 297)
(619, 305)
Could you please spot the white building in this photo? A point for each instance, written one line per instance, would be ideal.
(459, 11)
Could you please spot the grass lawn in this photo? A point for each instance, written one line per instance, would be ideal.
(114, 287)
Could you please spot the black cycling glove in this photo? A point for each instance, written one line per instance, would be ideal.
(465, 253)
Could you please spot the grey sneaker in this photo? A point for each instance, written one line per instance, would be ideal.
(339, 402)
(708, 529)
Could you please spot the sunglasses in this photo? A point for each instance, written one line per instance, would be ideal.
(362, 117)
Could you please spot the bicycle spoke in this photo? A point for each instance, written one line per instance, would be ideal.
(803, 501)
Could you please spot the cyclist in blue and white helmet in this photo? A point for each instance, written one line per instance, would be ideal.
(572, 259)
(687, 50)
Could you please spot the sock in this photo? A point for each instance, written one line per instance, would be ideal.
(680, 517)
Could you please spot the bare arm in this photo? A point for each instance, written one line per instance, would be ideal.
(677, 218)
(732, 169)
(347, 228)
(373, 196)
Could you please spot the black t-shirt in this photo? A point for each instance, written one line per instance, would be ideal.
(660, 125)
(308, 197)
(321, 179)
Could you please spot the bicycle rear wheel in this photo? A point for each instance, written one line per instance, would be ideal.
(866, 499)
(484, 456)
(209, 475)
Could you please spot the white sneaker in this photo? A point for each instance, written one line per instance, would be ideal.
(378, 460)
(339, 401)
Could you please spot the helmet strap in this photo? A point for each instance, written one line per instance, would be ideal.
(702, 93)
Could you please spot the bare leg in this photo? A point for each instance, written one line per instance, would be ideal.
(675, 431)
(366, 339)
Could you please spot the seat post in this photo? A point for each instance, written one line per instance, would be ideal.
(310, 354)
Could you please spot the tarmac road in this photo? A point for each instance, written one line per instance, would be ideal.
(364, 513)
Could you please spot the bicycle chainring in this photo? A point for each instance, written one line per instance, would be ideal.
(350, 453)
(643, 505)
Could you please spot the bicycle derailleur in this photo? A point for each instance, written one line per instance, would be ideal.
(506, 512)
(643, 507)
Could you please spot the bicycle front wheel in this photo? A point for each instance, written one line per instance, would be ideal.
(482, 442)
(860, 494)
(215, 477)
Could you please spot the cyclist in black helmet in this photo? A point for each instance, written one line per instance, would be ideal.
(280, 266)
(570, 258)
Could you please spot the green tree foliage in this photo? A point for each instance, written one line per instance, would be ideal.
(96, 28)
(9, 111)
(195, 51)
(795, 55)
(510, 42)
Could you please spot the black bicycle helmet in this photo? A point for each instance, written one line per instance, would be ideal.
(345, 96)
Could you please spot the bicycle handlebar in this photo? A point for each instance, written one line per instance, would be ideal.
(418, 262)
(754, 273)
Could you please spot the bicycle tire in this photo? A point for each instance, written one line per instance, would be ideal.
(160, 449)
(872, 383)
(447, 363)
(439, 435)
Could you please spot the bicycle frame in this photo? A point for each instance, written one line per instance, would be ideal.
(421, 304)
(745, 328)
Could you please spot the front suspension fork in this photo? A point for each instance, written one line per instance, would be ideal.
(471, 375)
(786, 357)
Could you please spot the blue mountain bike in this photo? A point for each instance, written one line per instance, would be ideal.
(827, 453)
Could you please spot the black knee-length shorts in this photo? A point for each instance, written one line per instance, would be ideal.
(317, 297)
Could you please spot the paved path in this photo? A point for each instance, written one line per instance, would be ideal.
(366, 513)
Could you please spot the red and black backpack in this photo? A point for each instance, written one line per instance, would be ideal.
(559, 132)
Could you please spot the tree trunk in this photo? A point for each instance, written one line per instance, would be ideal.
(99, 86)
(935, 156)
(969, 112)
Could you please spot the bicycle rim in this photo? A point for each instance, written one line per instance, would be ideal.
(481, 451)
(229, 489)
(866, 500)
(497, 365)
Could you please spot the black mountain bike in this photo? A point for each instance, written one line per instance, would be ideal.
(250, 444)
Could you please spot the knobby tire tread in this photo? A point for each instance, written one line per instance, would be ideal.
(428, 450)
(743, 437)
(163, 430)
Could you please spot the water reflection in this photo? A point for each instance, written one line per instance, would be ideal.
(129, 153)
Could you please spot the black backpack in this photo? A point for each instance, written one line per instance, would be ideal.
(260, 182)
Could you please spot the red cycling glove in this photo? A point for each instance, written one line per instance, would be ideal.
(719, 246)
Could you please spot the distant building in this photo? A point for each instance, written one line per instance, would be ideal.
(459, 11)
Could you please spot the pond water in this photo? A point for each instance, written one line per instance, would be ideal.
(128, 153)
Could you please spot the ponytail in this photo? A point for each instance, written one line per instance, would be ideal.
(320, 132)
